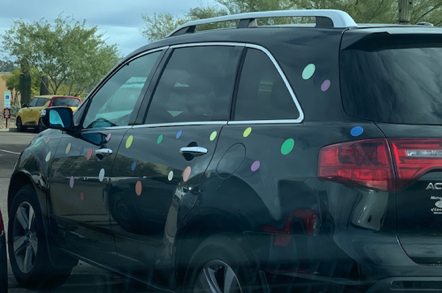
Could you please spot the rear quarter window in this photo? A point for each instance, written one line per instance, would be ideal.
(393, 79)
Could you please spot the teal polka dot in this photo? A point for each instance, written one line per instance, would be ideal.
(287, 146)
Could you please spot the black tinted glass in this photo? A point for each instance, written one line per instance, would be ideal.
(196, 85)
(394, 80)
(66, 102)
(262, 93)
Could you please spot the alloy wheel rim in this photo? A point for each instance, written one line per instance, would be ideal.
(217, 276)
(24, 237)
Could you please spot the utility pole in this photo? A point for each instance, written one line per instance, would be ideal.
(404, 11)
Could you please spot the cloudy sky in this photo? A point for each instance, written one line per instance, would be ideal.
(119, 20)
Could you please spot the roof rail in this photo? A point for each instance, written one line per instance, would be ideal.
(324, 18)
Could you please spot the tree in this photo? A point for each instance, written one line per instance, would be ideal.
(12, 81)
(68, 52)
(366, 11)
(6, 66)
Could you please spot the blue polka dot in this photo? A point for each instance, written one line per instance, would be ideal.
(81, 150)
(178, 134)
(357, 130)
(134, 165)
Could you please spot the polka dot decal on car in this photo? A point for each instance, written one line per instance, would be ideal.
(178, 134)
(38, 144)
(81, 150)
(48, 139)
(186, 173)
(213, 135)
(287, 146)
(160, 139)
(89, 154)
(48, 157)
(308, 71)
(101, 175)
(129, 141)
(134, 165)
(81, 196)
(356, 131)
(68, 148)
(325, 85)
(138, 188)
(108, 137)
(247, 132)
(255, 166)
(170, 176)
(71, 182)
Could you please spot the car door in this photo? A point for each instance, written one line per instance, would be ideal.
(83, 161)
(26, 112)
(165, 158)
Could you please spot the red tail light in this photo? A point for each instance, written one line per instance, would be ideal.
(373, 164)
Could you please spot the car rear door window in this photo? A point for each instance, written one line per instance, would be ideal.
(116, 101)
(262, 93)
(196, 85)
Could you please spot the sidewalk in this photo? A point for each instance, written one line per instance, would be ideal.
(11, 124)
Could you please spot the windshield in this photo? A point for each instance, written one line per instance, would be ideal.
(70, 102)
(394, 80)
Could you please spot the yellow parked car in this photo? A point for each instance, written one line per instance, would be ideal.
(29, 114)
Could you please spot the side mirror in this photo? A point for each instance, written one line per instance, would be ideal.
(24, 105)
(57, 118)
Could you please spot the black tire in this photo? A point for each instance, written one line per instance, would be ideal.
(40, 127)
(30, 259)
(216, 258)
(19, 125)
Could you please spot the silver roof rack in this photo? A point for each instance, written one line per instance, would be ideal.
(324, 18)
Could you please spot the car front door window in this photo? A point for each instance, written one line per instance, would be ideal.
(116, 101)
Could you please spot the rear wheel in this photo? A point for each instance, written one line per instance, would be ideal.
(222, 264)
(27, 244)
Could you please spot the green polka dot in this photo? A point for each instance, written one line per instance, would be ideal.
(38, 144)
(160, 139)
(129, 141)
(213, 136)
(308, 71)
(247, 131)
(287, 146)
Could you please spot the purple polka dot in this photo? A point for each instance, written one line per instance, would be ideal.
(81, 150)
(255, 166)
(134, 165)
(71, 182)
(325, 85)
(178, 134)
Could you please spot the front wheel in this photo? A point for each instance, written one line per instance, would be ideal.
(222, 263)
(19, 124)
(27, 245)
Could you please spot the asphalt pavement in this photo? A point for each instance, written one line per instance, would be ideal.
(85, 278)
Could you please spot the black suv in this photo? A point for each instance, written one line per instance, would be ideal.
(246, 159)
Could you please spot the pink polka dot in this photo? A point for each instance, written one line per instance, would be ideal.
(89, 154)
(186, 173)
(108, 137)
(138, 188)
(81, 196)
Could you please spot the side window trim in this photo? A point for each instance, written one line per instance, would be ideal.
(105, 79)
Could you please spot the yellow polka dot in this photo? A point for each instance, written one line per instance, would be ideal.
(68, 148)
(129, 141)
(213, 136)
(247, 131)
